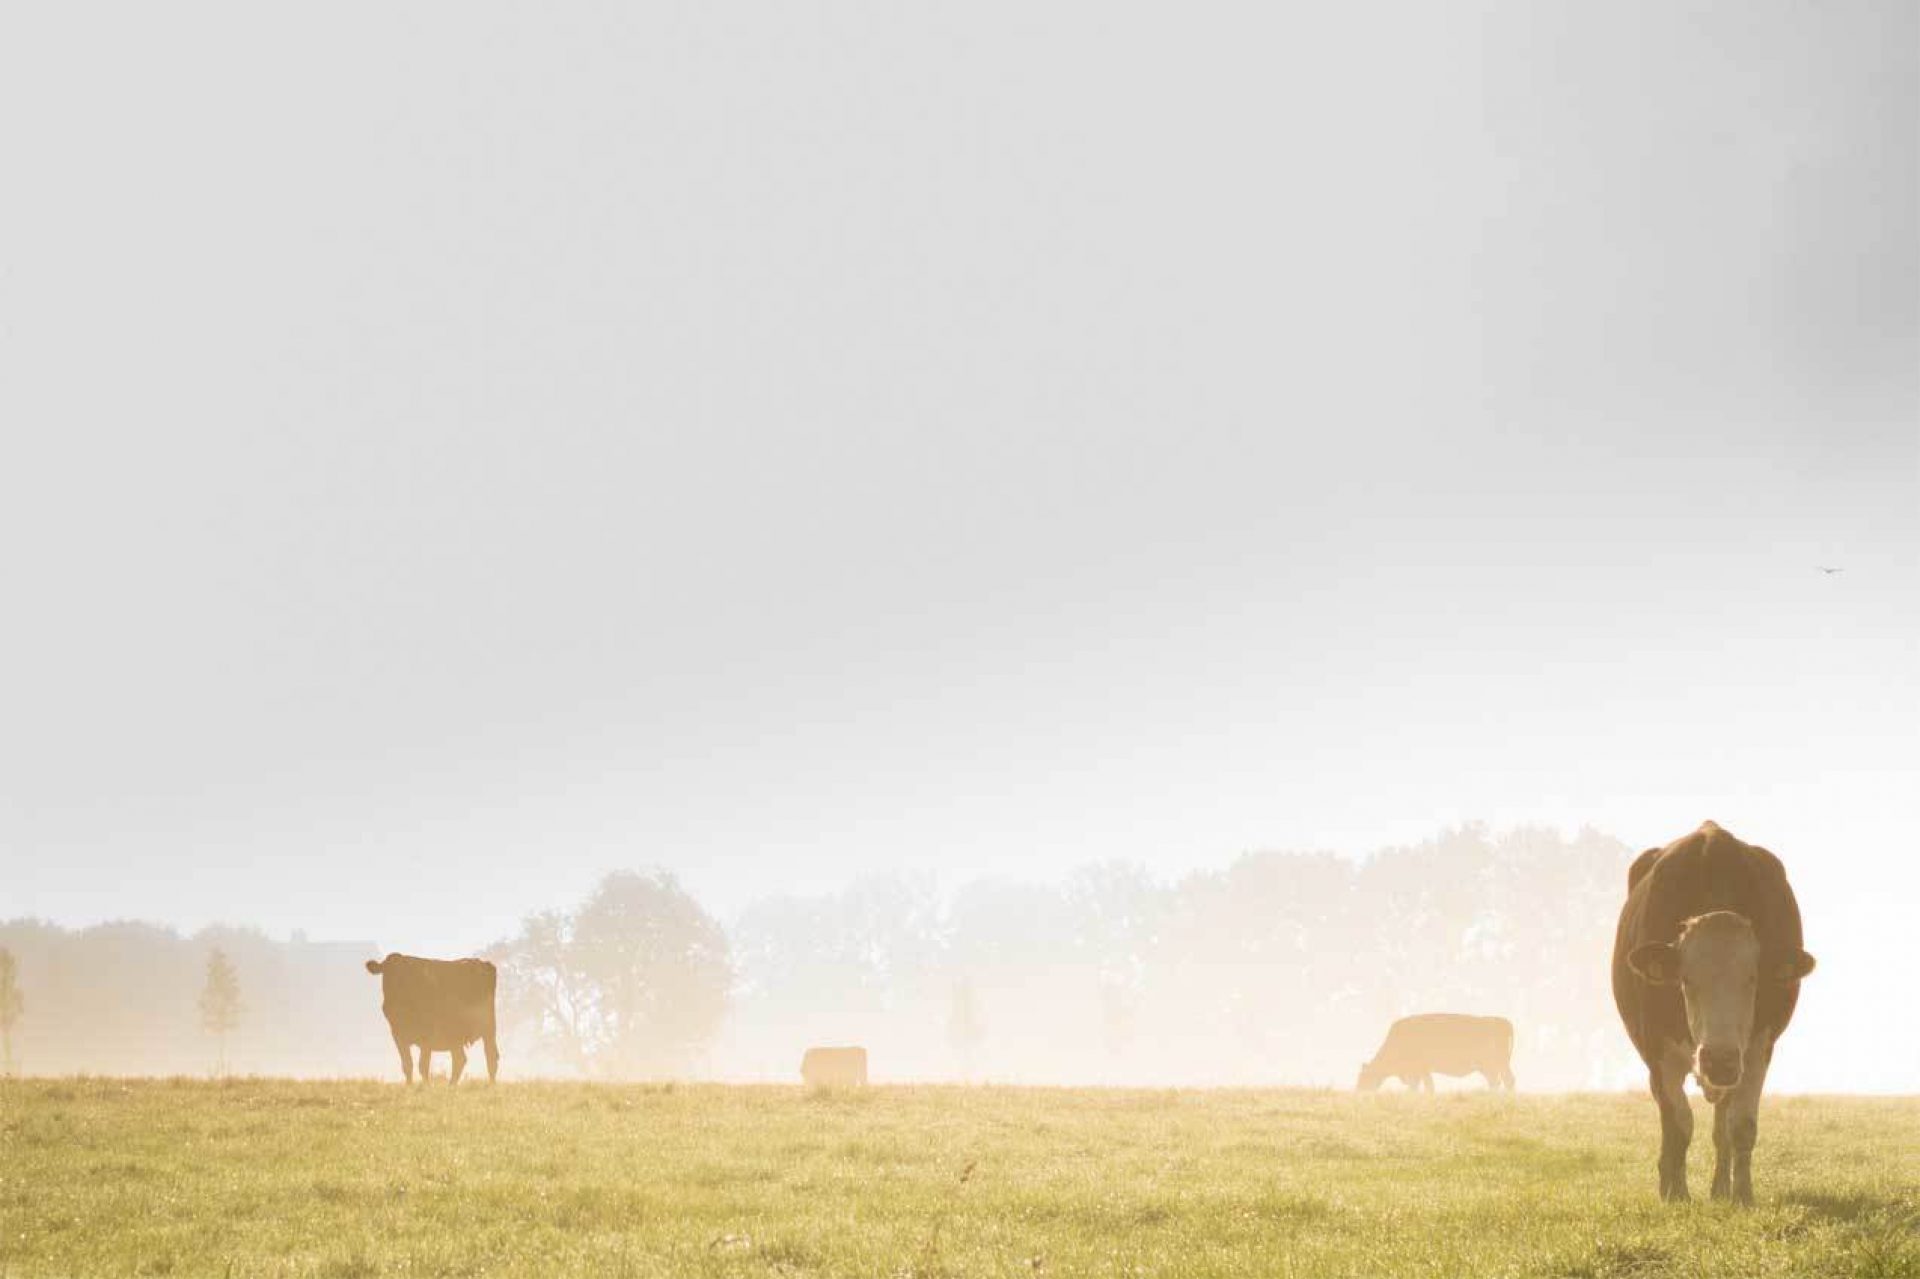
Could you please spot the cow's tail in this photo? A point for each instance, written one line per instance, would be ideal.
(374, 966)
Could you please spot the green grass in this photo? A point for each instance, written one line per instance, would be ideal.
(111, 1177)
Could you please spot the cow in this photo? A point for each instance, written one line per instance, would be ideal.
(1707, 964)
(439, 1005)
(1419, 1047)
(834, 1067)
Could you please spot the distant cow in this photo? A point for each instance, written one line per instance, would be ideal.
(438, 1005)
(1418, 1048)
(834, 1067)
(1706, 971)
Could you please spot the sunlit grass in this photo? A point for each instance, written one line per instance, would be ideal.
(108, 1177)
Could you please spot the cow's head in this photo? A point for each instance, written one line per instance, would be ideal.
(1719, 966)
(1371, 1077)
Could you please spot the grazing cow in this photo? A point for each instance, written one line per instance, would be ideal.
(1417, 1048)
(834, 1067)
(438, 1004)
(1706, 970)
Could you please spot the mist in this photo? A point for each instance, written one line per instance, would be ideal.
(998, 469)
(1276, 968)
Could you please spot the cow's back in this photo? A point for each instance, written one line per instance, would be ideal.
(1706, 870)
(437, 1003)
(834, 1067)
(1447, 1043)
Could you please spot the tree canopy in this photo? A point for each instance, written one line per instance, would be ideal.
(635, 981)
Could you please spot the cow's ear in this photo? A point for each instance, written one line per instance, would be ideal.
(1791, 967)
(1656, 962)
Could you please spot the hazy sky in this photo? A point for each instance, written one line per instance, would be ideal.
(452, 450)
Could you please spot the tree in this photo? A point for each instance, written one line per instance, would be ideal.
(1116, 913)
(220, 1006)
(966, 1030)
(543, 989)
(12, 1006)
(636, 981)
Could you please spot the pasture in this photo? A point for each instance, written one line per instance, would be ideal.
(349, 1179)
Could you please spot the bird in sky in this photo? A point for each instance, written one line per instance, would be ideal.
(1824, 569)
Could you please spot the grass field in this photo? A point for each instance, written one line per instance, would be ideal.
(111, 1177)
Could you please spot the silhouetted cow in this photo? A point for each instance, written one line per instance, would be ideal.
(1418, 1048)
(1706, 971)
(834, 1067)
(439, 1005)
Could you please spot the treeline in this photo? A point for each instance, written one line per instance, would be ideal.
(133, 999)
(1279, 968)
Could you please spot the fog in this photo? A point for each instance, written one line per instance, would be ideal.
(872, 464)
(1279, 968)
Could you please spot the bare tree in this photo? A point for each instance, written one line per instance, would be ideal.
(220, 1006)
(12, 1006)
(543, 989)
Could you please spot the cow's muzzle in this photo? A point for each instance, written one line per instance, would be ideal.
(1719, 1067)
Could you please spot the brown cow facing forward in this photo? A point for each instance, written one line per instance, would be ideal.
(1420, 1047)
(438, 1005)
(1706, 972)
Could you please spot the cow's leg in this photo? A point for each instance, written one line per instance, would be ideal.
(1669, 1084)
(459, 1063)
(1722, 1148)
(1743, 1118)
(493, 1058)
(406, 1056)
(426, 1063)
(1426, 1081)
(1506, 1078)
